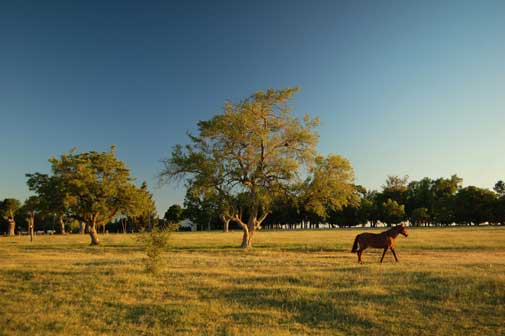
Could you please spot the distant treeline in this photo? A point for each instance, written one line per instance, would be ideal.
(426, 202)
(253, 166)
(51, 223)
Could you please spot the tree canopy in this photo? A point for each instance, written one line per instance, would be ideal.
(329, 186)
(255, 147)
(91, 187)
(8, 210)
(53, 199)
(174, 213)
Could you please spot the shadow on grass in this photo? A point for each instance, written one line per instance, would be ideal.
(150, 315)
(436, 290)
(83, 248)
(284, 279)
(111, 262)
(91, 270)
(18, 275)
(333, 304)
(206, 248)
(313, 311)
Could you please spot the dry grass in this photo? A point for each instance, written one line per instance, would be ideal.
(448, 282)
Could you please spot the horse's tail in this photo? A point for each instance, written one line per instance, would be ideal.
(355, 245)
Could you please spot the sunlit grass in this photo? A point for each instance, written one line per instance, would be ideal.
(448, 282)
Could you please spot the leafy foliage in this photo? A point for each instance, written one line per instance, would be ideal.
(255, 148)
(8, 209)
(499, 188)
(174, 213)
(329, 187)
(474, 205)
(392, 212)
(154, 243)
(91, 187)
(420, 216)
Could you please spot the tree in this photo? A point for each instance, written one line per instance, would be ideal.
(255, 147)
(499, 210)
(200, 208)
(499, 188)
(8, 209)
(447, 186)
(329, 186)
(210, 203)
(393, 196)
(174, 213)
(97, 187)
(284, 212)
(30, 208)
(475, 205)
(52, 197)
(395, 188)
(444, 191)
(141, 208)
(370, 207)
(420, 195)
(392, 212)
(420, 216)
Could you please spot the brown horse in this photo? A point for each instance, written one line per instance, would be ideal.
(385, 240)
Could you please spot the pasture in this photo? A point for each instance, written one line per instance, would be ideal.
(449, 281)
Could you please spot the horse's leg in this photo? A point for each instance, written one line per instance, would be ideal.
(394, 254)
(359, 256)
(384, 253)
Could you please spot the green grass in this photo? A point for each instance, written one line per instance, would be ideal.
(448, 282)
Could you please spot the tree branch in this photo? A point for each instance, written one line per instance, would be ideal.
(238, 220)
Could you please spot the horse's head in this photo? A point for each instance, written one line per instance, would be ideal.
(403, 230)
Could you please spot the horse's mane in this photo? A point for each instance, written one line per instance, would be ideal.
(394, 230)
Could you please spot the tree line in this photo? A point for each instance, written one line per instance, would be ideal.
(426, 202)
(253, 166)
(91, 188)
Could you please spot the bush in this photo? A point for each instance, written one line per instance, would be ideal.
(154, 243)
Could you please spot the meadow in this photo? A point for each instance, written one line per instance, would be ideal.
(449, 281)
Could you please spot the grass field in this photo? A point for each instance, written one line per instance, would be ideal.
(448, 282)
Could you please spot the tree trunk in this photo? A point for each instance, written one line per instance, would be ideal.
(93, 234)
(82, 227)
(250, 227)
(31, 225)
(12, 226)
(123, 224)
(226, 222)
(62, 225)
(247, 238)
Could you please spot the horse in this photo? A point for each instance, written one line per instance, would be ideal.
(385, 240)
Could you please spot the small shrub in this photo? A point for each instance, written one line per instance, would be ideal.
(154, 243)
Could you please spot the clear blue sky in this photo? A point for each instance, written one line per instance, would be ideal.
(401, 87)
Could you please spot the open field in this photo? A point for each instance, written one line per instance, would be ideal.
(448, 282)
